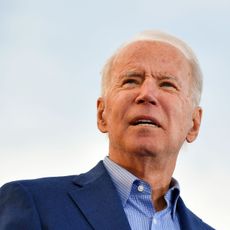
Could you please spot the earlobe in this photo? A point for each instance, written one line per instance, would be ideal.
(196, 121)
(101, 118)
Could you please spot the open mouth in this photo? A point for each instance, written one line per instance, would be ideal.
(145, 122)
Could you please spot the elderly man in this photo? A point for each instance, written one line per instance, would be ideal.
(149, 107)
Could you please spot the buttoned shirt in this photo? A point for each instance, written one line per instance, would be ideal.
(136, 200)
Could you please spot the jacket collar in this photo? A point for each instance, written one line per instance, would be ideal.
(189, 220)
(98, 200)
(96, 197)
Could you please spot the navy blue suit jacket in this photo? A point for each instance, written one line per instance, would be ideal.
(85, 202)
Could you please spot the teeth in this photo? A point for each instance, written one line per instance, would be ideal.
(145, 122)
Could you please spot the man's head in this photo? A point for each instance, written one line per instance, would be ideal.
(149, 104)
(197, 78)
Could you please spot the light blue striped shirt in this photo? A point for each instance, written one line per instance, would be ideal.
(136, 199)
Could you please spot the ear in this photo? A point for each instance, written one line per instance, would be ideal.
(196, 121)
(101, 119)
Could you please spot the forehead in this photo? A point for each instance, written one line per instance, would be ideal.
(158, 56)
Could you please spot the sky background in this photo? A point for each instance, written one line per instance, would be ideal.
(51, 55)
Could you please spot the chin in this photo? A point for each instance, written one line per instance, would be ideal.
(145, 150)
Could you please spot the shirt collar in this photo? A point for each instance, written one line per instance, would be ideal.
(124, 180)
(172, 195)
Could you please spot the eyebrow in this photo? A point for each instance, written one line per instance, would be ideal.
(158, 76)
(163, 77)
(132, 73)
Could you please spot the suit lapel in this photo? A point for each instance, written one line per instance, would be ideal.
(188, 220)
(96, 197)
(185, 221)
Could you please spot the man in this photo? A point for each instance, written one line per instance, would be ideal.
(149, 107)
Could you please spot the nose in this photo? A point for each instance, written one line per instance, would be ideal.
(148, 93)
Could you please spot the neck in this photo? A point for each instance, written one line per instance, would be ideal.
(154, 170)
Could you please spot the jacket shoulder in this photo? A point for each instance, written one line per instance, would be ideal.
(53, 185)
(31, 204)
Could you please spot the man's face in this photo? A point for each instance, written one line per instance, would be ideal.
(148, 109)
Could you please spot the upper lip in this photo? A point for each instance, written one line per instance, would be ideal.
(147, 119)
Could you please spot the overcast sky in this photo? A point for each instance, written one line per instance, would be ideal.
(51, 55)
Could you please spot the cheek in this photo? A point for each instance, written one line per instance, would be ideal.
(115, 113)
(180, 116)
(118, 113)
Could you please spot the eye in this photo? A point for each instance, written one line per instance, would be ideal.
(168, 85)
(131, 82)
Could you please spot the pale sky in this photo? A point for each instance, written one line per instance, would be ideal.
(51, 55)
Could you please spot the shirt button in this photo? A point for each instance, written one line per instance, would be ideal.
(140, 188)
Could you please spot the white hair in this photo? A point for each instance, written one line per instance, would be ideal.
(153, 35)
